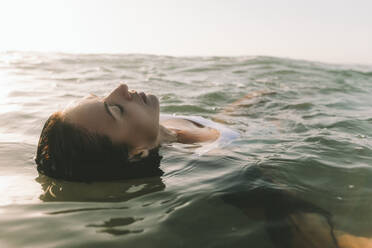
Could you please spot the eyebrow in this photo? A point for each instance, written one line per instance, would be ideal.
(108, 111)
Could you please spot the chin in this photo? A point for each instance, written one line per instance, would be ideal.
(153, 100)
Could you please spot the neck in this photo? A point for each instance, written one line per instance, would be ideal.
(166, 135)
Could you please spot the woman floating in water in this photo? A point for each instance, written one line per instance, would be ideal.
(115, 137)
(118, 136)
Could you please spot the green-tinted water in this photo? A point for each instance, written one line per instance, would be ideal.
(305, 130)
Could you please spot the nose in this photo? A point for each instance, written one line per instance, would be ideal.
(121, 91)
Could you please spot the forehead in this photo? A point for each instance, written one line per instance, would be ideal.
(88, 112)
(84, 100)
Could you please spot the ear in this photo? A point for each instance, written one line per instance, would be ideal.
(136, 154)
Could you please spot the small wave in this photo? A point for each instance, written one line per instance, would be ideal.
(354, 126)
(69, 211)
(212, 97)
(299, 106)
(186, 109)
(350, 73)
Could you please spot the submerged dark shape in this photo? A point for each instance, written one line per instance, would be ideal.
(71, 153)
(278, 208)
(288, 218)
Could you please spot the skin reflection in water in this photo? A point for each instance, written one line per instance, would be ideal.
(113, 191)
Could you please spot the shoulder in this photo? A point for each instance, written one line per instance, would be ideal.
(190, 131)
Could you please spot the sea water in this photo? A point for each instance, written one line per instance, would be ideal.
(305, 128)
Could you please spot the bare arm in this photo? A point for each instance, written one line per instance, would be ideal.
(244, 100)
(240, 103)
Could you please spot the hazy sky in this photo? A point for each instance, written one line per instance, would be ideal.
(325, 30)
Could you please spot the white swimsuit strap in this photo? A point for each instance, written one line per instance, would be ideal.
(226, 134)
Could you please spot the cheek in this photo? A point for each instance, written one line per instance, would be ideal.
(143, 120)
(144, 127)
(144, 131)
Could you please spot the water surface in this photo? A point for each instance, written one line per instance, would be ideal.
(306, 129)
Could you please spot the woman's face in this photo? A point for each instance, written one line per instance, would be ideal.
(124, 116)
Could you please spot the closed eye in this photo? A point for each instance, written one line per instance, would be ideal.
(114, 109)
(117, 107)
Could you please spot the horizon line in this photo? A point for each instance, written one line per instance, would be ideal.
(330, 62)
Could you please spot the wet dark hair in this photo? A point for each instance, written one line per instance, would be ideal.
(66, 151)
